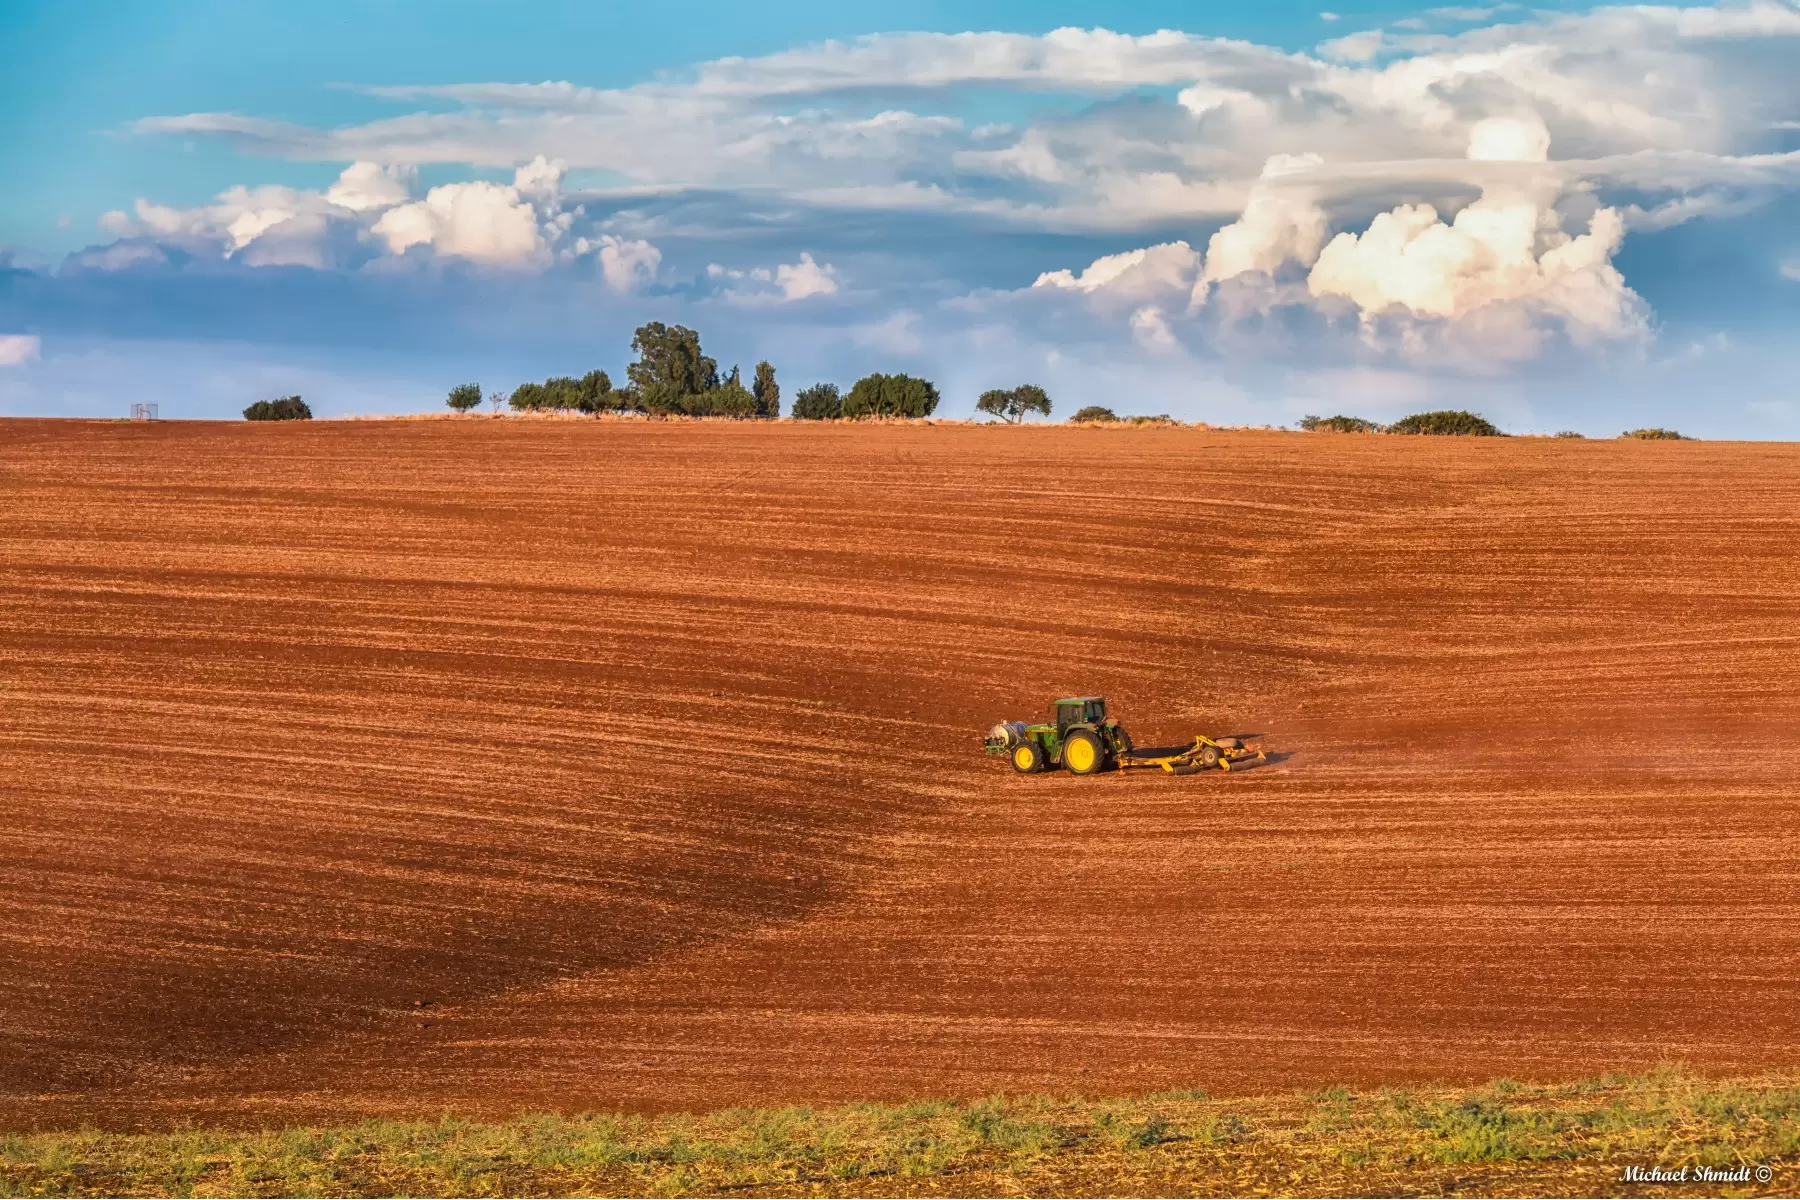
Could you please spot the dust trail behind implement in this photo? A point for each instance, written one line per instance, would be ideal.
(488, 765)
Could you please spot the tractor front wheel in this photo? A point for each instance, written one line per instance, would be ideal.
(1082, 753)
(1028, 758)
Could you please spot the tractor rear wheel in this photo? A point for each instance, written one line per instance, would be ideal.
(1082, 754)
(1028, 758)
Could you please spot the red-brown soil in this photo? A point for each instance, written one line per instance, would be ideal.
(487, 765)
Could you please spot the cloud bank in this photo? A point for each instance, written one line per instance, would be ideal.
(1495, 282)
(1458, 195)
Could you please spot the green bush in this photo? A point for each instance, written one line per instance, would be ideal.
(820, 402)
(538, 397)
(1093, 414)
(594, 394)
(288, 408)
(564, 392)
(464, 396)
(1569, 433)
(1447, 422)
(1338, 424)
(891, 396)
(1655, 435)
(729, 399)
(1158, 419)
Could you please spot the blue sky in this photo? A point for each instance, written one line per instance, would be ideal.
(1565, 217)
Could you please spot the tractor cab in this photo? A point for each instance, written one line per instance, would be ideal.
(1078, 710)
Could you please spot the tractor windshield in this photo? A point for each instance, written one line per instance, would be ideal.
(1078, 712)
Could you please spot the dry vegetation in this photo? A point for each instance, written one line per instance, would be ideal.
(1498, 1139)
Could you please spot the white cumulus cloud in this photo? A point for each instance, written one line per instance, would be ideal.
(778, 284)
(1132, 275)
(1151, 328)
(805, 278)
(1411, 261)
(1281, 222)
(1507, 248)
(17, 349)
(1486, 286)
(486, 222)
(625, 263)
(368, 204)
(368, 187)
(540, 177)
(1509, 139)
(261, 226)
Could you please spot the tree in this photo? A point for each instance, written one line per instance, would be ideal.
(288, 408)
(1011, 406)
(552, 395)
(766, 391)
(592, 393)
(495, 400)
(1339, 424)
(820, 402)
(1093, 414)
(464, 396)
(1445, 422)
(995, 402)
(595, 393)
(891, 396)
(729, 399)
(562, 393)
(670, 367)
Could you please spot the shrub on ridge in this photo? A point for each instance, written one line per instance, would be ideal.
(288, 408)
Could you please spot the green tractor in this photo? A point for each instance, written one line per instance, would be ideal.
(1081, 738)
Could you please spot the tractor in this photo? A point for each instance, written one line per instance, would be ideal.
(1081, 738)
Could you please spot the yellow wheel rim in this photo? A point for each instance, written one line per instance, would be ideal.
(1022, 757)
(1080, 755)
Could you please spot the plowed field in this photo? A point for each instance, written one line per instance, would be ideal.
(487, 765)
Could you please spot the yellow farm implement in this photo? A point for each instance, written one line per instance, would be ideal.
(1185, 760)
(1081, 738)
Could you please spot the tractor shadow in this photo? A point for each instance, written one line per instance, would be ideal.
(1270, 759)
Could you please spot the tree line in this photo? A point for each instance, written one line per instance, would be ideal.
(673, 376)
(1443, 423)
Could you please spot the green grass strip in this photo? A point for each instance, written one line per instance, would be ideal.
(1502, 1138)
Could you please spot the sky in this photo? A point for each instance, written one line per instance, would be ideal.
(1562, 217)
